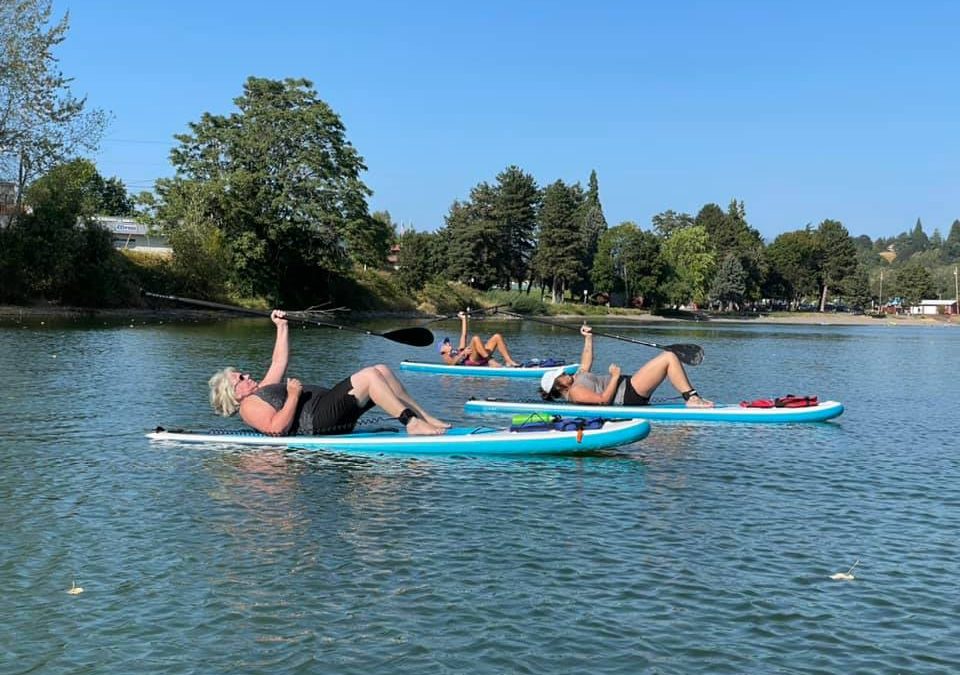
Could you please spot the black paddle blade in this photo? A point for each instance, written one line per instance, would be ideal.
(689, 354)
(416, 336)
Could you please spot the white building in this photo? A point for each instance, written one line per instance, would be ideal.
(934, 307)
(129, 234)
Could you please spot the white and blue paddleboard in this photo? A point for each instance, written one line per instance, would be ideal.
(458, 441)
(483, 371)
(674, 412)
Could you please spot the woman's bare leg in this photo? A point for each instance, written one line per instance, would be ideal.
(478, 349)
(370, 385)
(401, 393)
(496, 342)
(666, 366)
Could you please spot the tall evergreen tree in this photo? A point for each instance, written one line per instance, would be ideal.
(918, 238)
(951, 246)
(592, 228)
(474, 239)
(517, 200)
(558, 260)
(729, 283)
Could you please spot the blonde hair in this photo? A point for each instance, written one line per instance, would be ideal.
(223, 397)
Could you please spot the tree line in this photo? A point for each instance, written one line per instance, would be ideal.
(268, 202)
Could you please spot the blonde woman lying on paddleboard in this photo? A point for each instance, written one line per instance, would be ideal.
(287, 407)
(479, 353)
(616, 389)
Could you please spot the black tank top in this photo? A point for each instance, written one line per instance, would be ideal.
(276, 396)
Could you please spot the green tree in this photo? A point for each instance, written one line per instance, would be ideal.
(517, 200)
(57, 251)
(919, 241)
(474, 236)
(281, 181)
(664, 224)
(692, 264)
(418, 260)
(41, 123)
(558, 259)
(795, 260)
(951, 246)
(594, 224)
(729, 283)
(201, 265)
(369, 239)
(914, 283)
(628, 261)
(857, 289)
(730, 234)
(838, 257)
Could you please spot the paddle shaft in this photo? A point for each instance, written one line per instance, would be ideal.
(469, 312)
(416, 336)
(688, 353)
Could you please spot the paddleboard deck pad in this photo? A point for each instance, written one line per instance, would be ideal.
(483, 371)
(676, 412)
(458, 441)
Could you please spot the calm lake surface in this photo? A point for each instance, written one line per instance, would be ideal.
(700, 549)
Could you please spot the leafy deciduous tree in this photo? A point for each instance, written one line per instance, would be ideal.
(41, 123)
(281, 181)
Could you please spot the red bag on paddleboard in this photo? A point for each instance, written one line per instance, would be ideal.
(757, 403)
(791, 401)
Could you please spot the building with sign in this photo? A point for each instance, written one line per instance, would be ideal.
(129, 234)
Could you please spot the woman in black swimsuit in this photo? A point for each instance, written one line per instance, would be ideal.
(278, 407)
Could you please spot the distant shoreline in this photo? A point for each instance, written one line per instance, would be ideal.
(17, 313)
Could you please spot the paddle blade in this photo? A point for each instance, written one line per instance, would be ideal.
(416, 336)
(689, 354)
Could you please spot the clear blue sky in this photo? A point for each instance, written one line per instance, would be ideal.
(803, 110)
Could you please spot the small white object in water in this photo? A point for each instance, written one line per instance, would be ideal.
(74, 589)
(845, 576)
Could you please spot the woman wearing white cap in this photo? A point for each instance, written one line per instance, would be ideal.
(616, 389)
(479, 353)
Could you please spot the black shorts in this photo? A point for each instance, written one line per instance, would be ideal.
(631, 397)
(335, 411)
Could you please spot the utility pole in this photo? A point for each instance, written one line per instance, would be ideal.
(956, 288)
(880, 299)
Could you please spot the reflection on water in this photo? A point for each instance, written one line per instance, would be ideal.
(701, 548)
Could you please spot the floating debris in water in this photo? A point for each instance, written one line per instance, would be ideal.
(74, 589)
(845, 576)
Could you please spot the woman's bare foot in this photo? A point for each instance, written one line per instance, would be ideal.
(433, 421)
(697, 401)
(419, 427)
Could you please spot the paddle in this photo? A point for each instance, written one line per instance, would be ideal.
(689, 354)
(415, 336)
(469, 312)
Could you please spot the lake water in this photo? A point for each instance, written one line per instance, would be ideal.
(700, 549)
